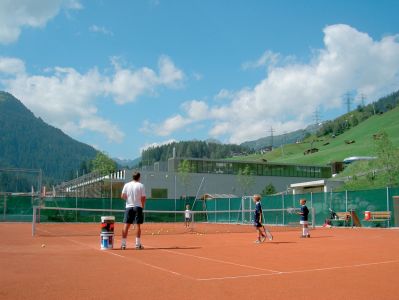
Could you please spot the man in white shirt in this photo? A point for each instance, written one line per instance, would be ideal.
(134, 194)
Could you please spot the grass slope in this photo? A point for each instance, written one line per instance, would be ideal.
(335, 149)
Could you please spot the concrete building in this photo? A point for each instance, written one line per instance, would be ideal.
(210, 176)
(206, 176)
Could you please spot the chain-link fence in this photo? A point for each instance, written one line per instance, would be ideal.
(19, 208)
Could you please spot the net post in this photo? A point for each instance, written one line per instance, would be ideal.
(34, 220)
(192, 220)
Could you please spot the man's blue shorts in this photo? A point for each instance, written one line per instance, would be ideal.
(133, 215)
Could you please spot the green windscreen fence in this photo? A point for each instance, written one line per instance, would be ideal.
(17, 208)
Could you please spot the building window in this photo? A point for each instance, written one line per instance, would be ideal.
(159, 193)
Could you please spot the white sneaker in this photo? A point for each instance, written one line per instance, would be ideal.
(262, 239)
(257, 242)
(139, 247)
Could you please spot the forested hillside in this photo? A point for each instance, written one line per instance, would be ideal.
(28, 142)
(194, 149)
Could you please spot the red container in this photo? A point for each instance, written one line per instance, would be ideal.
(367, 215)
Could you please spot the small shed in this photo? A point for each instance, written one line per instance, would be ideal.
(316, 186)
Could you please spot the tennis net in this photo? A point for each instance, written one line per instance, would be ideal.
(63, 221)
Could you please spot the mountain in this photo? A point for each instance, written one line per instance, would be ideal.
(28, 142)
(129, 163)
(278, 140)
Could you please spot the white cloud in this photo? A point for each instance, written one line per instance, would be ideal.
(128, 84)
(196, 110)
(16, 14)
(268, 58)
(154, 145)
(66, 98)
(224, 94)
(289, 94)
(169, 75)
(100, 29)
(11, 66)
(170, 125)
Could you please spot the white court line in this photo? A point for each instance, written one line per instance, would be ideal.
(220, 261)
(300, 271)
(130, 258)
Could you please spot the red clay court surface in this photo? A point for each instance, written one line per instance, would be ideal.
(333, 264)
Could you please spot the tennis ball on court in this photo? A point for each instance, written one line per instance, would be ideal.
(152, 233)
(43, 245)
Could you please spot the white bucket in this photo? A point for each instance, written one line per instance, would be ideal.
(107, 241)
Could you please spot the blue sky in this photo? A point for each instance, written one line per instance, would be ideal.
(124, 75)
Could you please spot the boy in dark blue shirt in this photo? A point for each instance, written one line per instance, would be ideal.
(304, 219)
(258, 220)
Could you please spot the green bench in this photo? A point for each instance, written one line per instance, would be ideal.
(342, 218)
(380, 217)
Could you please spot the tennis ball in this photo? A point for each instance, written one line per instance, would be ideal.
(43, 245)
(152, 233)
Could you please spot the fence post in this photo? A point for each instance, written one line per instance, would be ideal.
(282, 196)
(313, 212)
(388, 204)
(346, 200)
(5, 207)
(34, 220)
(311, 199)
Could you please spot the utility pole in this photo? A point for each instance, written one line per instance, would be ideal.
(316, 116)
(362, 99)
(271, 136)
(283, 143)
(348, 101)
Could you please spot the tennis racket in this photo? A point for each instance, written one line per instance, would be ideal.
(268, 233)
(292, 210)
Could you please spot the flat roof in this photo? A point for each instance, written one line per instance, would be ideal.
(309, 183)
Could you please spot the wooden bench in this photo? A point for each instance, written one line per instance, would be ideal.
(380, 217)
(342, 217)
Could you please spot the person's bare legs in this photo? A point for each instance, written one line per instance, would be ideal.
(138, 237)
(125, 231)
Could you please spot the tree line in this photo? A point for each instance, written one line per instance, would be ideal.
(363, 112)
(192, 149)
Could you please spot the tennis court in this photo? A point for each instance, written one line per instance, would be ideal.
(335, 263)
